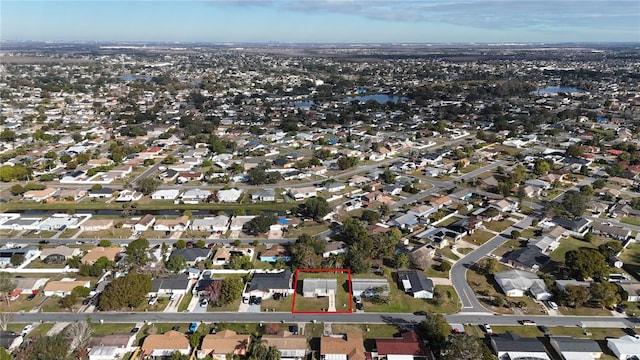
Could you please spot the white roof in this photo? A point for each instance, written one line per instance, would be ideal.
(626, 345)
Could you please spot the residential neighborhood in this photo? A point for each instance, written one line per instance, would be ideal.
(272, 203)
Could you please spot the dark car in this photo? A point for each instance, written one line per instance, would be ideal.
(360, 306)
(213, 330)
(630, 331)
(420, 313)
(135, 330)
(44, 242)
(31, 297)
(543, 328)
(176, 328)
(87, 301)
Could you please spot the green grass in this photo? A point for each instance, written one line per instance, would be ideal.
(41, 330)
(480, 283)
(572, 243)
(232, 306)
(498, 226)
(446, 252)
(111, 328)
(630, 220)
(478, 237)
(448, 221)
(185, 302)
(283, 305)
(38, 264)
(342, 295)
(309, 229)
(464, 250)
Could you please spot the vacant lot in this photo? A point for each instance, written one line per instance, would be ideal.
(342, 295)
(478, 237)
(498, 226)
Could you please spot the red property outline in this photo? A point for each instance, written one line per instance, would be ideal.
(295, 291)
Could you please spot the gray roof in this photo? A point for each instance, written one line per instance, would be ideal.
(311, 284)
(266, 281)
(569, 344)
(175, 282)
(366, 284)
(419, 282)
(6, 338)
(529, 256)
(191, 254)
(513, 342)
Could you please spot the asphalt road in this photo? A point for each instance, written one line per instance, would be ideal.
(458, 272)
(360, 318)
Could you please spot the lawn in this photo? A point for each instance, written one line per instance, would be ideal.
(447, 222)
(233, 306)
(630, 220)
(185, 302)
(584, 311)
(370, 332)
(478, 237)
(111, 328)
(399, 301)
(481, 283)
(572, 243)
(498, 226)
(342, 295)
(308, 229)
(41, 330)
(38, 264)
(282, 305)
(469, 168)
(446, 252)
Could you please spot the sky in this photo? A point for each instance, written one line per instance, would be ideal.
(322, 21)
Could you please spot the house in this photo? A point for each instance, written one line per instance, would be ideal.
(515, 283)
(405, 222)
(347, 347)
(416, 284)
(615, 232)
(420, 255)
(184, 177)
(127, 195)
(107, 347)
(512, 346)
(264, 195)
(562, 284)
(313, 287)
(97, 225)
(528, 258)
(406, 347)
(63, 287)
(194, 196)
(334, 186)
(370, 287)
(441, 201)
(28, 286)
(216, 224)
(505, 205)
(238, 222)
(334, 248)
(224, 343)
(625, 348)
(140, 224)
(632, 290)
(462, 194)
(578, 227)
(264, 285)
(39, 195)
(576, 349)
(440, 237)
(231, 195)
(353, 204)
(291, 347)
(180, 223)
(59, 251)
(546, 244)
(97, 252)
(165, 194)
(224, 254)
(423, 211)
(163, 345)
(176, 284)
(71, 194)
(303, 192)
(275, 253)
(192, 255)
(27, 252)
(10, 340)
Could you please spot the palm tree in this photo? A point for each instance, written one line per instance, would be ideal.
(257, 347)
(273, 353)
(335, 261)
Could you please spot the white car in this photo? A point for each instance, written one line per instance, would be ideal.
(26, 329)
(553, 305)
(487, 328)
(173, 297)
(153, 301)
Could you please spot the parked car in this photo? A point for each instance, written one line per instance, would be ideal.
(176, 328)
(630, 331)
(31, 297)
(26, 329)
(543, 328)
(420, 313)
(553, 305)
(135, 330)
(528, 322)
(153, 301)
(487, 328)
(360, 306)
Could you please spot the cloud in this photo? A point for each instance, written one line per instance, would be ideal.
(487, 14)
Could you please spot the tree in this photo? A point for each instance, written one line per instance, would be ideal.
(518, 174)
(490, 266)
(444, 266)
(610, 248)
(105, 243)
(201, 244)
(181, 244)
(402, 261)
(7, 285)
(586, 263)
(78, 334)
(176, 263)
(388, 177)
(237, 262)
(230, 290)
(575, 203)
(541, 167)
(576, 295)
(435, 330)
(148, 185)
(347, 162)
(127, 291)
(463, 347)
(587, 190)
(68, 301)
(370, 216)
(575, 151)
(16, 259)
(515, 234)
(599, 183)
(260, 224)
(50, 348)
(138, 251)
(177, 355)
(605, 293)
(316, 208)
(356, 260)
(307, 251)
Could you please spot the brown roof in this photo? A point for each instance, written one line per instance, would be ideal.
(169, 340)
(352, 346)
(226, 342)
(98, 252)
(442, 200)
(286, 341)
(182, 220)
(119, 340)
(276, 250)
(408, 344)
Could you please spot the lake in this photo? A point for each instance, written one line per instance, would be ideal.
(558, 89)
